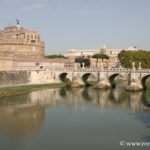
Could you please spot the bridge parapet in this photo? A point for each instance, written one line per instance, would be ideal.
(135, 77)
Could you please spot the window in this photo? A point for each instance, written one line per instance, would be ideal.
(33, 41)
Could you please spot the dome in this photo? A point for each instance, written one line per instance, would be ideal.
(132, 48)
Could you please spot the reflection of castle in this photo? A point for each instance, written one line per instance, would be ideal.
(18, 121)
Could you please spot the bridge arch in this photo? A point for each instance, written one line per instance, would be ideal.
(111, 79)
(63, 77)
(86, 76)
(143, 81)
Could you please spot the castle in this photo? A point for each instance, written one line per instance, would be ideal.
(17, 42)
(22, 48)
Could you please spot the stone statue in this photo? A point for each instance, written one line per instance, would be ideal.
(139, 65)
(133, 65)
(18, 22)
(83, 64)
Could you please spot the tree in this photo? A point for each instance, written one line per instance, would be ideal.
(127, 57)
(55, 56)
(83, 60)
(100, 56)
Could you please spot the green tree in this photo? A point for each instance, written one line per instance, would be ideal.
(83, 59)
(127, 57)
(100, 56)
(55, 56)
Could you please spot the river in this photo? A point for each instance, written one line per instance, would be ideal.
(75, 119)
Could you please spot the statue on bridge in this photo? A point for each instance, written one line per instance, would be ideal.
(133, 65)
(139, 66)
(83, 65)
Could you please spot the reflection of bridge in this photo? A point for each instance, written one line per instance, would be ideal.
(25, 114)
(105, 76)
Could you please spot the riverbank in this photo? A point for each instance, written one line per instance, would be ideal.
(15, 90)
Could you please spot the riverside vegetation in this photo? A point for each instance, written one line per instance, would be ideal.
(9, 91)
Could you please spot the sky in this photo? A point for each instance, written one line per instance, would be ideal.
(82, 24)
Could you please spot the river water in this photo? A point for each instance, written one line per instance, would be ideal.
(75, 119)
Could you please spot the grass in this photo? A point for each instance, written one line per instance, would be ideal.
(9, 91)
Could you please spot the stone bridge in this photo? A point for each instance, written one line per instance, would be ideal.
(105, 76)
(76, 77)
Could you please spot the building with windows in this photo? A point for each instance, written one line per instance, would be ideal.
(90, 52)
(112, 53)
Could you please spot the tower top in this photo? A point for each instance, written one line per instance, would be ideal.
(18, 23)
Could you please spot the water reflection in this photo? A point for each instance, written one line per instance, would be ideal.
(24, 114)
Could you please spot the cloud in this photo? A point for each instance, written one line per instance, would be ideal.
(85, 8)
(37, 4)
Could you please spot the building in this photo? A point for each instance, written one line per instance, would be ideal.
(18, 42)
(112, 53)
(22, 48)
(90, 52)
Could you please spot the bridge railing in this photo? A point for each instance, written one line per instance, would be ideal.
(79, 69)
(89, 69)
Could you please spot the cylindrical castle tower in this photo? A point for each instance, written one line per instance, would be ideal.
(18, 43)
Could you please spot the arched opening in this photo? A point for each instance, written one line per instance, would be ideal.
(143, 81)
(112, 81)
(85, 78)
(63, 76)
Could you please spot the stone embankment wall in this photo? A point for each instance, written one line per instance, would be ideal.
(20, 77)
(13, 78)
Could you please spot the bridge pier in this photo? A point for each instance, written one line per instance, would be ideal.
(76, 80)
(103, 81)
(134, 82)
(134, 86)
(77, 83)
